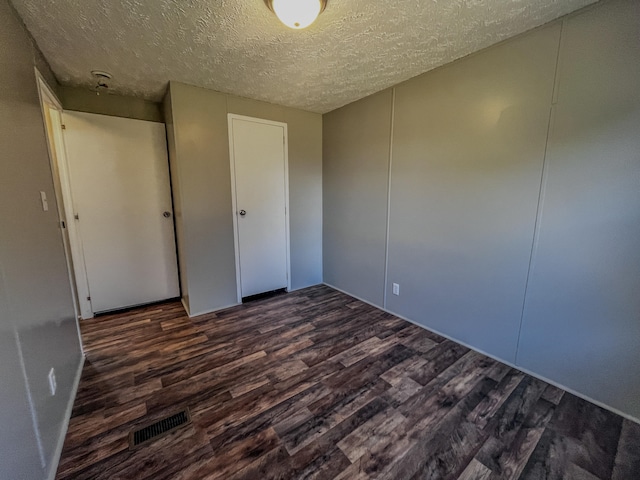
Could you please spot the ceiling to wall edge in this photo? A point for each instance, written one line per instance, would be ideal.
(561, 19)
(59, 85)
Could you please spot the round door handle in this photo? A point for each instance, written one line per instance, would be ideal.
(243, 213)
(166, 214)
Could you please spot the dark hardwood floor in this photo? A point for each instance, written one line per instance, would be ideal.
(317, 385)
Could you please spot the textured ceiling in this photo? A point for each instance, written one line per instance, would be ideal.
(355, 48)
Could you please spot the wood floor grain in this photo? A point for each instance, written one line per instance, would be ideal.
(317, 385)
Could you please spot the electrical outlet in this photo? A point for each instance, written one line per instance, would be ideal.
(396, 289)
(52, 381)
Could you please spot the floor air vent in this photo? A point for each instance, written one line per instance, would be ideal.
(161, 427)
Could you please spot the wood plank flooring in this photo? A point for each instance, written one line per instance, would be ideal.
(317, 385)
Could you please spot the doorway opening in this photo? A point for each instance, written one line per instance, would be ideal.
(112, 188)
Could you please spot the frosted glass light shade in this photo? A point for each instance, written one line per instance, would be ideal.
(297, 13)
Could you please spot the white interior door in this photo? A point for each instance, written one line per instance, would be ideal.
(259, 168)
(119, 177)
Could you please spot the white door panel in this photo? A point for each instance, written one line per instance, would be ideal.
(120, 186)
(258, 150)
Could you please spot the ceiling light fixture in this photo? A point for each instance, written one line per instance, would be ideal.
(297, 14)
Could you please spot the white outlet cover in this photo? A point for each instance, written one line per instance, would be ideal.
(52, 381)
(396, 289)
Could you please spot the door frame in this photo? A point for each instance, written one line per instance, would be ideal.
(234, 210)
(50, 103)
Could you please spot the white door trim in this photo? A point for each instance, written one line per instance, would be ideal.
(81, 291)
(230, 118)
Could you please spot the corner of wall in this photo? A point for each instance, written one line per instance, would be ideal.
(82, 99)
(67, 418)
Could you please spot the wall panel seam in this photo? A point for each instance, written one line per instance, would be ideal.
(388, 219)
(541, 192)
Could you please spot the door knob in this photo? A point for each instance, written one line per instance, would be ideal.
(166, 214)
(243, 213)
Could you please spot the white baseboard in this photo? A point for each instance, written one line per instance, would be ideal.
(65, 425)
(305, 286)
(191, 315)
(512, 365)
(184, 305)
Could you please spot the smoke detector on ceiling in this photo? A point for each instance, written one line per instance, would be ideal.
(102, 81)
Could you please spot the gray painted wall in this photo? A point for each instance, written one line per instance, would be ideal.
(355, 176)
(199, 156)
(45, 70)
(37, 319)
(305, 196)
(472, 145)
(581, 323)
(84, 100)
(200, 132)
(468, 149)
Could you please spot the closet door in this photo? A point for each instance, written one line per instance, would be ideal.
(122, 198)
(259, 165)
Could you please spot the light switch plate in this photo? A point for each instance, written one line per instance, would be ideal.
(45, 203)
